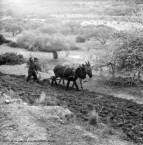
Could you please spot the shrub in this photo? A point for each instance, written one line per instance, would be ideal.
(80, 39)
(3, 40)
(48, 30)
(33, 25)
(73, 27)
(11, 59)
(13, 44)
(65, 30)
(74, 48)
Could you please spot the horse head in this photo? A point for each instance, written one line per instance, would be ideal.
(88, 69)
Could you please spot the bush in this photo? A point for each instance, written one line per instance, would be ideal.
(13, 44)
(80, 39)
(73, 27)
(65, 30)
(3, 40)
(122, 82)
(33, 25)
(74, 48)
(127, 59)
(11, 59)
(48, 30)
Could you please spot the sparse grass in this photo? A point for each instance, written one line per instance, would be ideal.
(46, 100)
(105, 133)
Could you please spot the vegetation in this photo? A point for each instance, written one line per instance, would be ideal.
(80, 39)
(3, 40)
(112, 33)
(36, 41)
(101, 33)
(13, 28)
(11, 59)
(13, 44)
(127, 54)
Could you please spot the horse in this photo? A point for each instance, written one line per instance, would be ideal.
(69, 74)
(88, 70)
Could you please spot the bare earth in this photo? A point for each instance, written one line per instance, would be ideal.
(34, 123)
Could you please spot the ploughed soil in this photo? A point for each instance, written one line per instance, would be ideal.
(124, 114)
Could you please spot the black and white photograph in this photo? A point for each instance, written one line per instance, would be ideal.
(71, 72)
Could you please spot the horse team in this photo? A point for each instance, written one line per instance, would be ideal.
(71, 74)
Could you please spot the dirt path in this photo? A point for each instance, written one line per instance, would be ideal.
(125, 114)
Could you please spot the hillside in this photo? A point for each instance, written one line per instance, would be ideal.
(126, 115)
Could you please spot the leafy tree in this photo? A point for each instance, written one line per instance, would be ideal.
(101, 33)
(13, 28)
(74, 27)
(36, 41)
(128, 55)
(33, 25)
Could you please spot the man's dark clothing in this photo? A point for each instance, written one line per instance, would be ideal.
(32, 70)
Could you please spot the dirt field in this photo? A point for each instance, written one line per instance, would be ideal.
(125, 114)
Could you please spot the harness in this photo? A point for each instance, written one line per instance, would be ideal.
(74, 74)
(65, 71)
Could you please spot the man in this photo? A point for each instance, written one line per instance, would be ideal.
(32, 70)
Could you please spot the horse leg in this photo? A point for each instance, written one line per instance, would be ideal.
(63, 82)
(73, 84)
(80, 80)
(60, 80)
(52, 81)
(56, 81)
(68, 83)
(76, 85)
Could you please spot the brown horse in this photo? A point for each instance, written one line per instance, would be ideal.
(69, 74)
